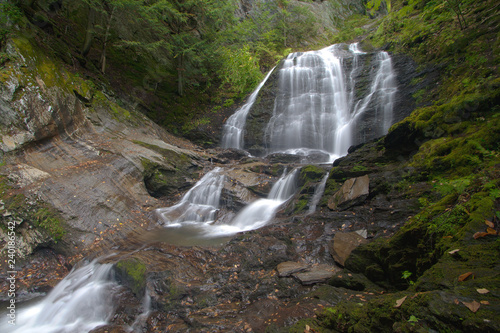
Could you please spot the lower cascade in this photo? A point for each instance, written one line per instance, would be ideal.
(82, 301)
(197, 209)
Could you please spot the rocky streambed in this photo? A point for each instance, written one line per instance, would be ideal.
(84, 173)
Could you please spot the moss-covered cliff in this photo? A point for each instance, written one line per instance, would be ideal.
(441, 267)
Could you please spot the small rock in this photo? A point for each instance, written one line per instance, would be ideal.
(362, 232)
(288, 268)
(317, 274)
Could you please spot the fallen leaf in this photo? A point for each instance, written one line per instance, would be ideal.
(464, 276)
(308, 328)
(473, 306)
(483, 291)
(479, 234)
(491, 231)
(456, 301)
(400, 301)
(489, 223)
(454, 251)
(485, 302)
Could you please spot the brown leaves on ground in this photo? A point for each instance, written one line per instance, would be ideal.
(482, 290)
(490, 230)
(465, 276)
(399, 302)
(473, 306)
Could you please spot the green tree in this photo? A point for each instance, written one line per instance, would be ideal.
(9, 15)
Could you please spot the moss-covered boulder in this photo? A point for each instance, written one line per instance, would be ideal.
(131, 273)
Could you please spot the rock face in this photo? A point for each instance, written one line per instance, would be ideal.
(353, 191)
(74, 147)
(342, 245)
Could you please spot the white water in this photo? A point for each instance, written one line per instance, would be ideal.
(233, 128)
(311, 104)
(382, 92)
(260, 212)
(200, 223)
(82, 301)
(315, 110)
(200, 204)
(318, 193)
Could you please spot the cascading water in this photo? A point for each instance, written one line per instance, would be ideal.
(318, 193)
(196, 219)
(260, 212)
(233, 128)
(311, 104)
(382, 92)
(81, 302)
(317, 109)
(199, 204)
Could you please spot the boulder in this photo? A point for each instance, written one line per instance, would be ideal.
(352, 192)
(342, 245)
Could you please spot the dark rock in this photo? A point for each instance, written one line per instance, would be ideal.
(352, 281)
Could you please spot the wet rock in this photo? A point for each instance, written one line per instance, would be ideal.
(352, 192)
(317, 274)
(131, 273)
(342, 245)
(352, 281)
(230, 154)
(288, 268)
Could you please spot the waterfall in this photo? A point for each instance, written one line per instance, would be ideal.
(317, 109)
(260, 212)
(196, 220)
(200, 204)
(233, 128)
(318, 193)
(382, 92)
(81, 302)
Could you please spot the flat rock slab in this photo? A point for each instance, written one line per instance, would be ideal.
(318, 274)
(343, 244)
(288, 268)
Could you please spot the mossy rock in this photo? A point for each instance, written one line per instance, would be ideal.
(132, 274)
(311, 173)
(169, 175)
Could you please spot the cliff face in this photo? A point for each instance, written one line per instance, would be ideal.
(72, 146)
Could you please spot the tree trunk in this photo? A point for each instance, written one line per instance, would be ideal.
(89, 34)
(106, 36)
(180, 75)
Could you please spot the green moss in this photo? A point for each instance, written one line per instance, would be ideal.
(134, 272)
(50, 221)
(37, 214)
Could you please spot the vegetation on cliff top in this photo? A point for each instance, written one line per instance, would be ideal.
(175, 60)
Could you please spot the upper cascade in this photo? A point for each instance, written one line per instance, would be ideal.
(323, 103)
(233, 128)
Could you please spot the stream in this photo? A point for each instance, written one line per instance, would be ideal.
(317, 111)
